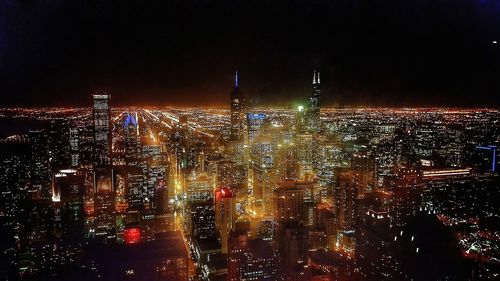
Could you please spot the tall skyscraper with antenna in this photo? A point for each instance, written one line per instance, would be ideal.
(314, 103)
(237, 110)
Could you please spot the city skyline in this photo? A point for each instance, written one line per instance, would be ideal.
(250, 140)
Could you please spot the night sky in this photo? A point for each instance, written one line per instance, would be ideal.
(369, 52)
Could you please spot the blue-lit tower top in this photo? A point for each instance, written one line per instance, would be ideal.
(237, 109)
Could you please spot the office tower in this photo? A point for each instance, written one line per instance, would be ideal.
(376, 254)
(455, 145)
(225, 214)
(14, 176)
(156, 166)
(344, 201)
(406, 195)
(200, 188)
(231, 175)
(385, 162)
(263, 172)
(488, 160)
(255, 122)
(300, 120)
(314, 103)
(67, 196)
(293, 249)
(74, 147)
(304, 146)
(39, 162)
(135, 190)
(250, 259)
(328, 153)
(237, 110)
(200, 222)
(289, 201)
(164, 217)
(59, 146)
(326, 221)
(132, 148)
(86, 145)
(425, 141)
(101, 115)
(266, 230)
(104, 204)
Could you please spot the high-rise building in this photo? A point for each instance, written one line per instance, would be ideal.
(74, 147)
(250, 259)
(59, 146)
(293, 246)
(289, 201)
(67, 196)
(314, 103)
(131, 131)
(344, 201)
(263, 173)
(305, 154)
(237, 110)
(102, 130)
(225, 214)
(254, 125)
(39, 162)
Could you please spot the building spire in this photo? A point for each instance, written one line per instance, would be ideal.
(236, 79)
(317, 78)
(314, 77)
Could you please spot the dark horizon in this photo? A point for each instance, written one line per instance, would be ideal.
(370, 53)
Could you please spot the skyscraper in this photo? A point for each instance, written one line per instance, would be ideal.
(344, 202)
(313, 110)
(250, 259)
(130, 128)
(237, 110)
(102, 130)
(225, 214)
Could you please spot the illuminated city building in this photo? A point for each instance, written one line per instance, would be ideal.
(344, 202)
(200, 188)
(255, 121)
(293, 248)
(74, 147)
(225, 214)
(293, 200)
(375, 251)
(131, 132)
(39, 162)
(313, 107)
(231, 175)
(326, 221)
(263, 172)
(237, 110)
(104, 204)
(250, 259)
(101, 115)
(200, 222)
(67, 197)
(59, 146)
(305, 154)
(406, 195)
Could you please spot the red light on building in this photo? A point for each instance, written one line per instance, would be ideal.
(223, 192)
(132, 235)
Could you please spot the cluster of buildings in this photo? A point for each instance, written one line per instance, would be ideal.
(306, 193)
